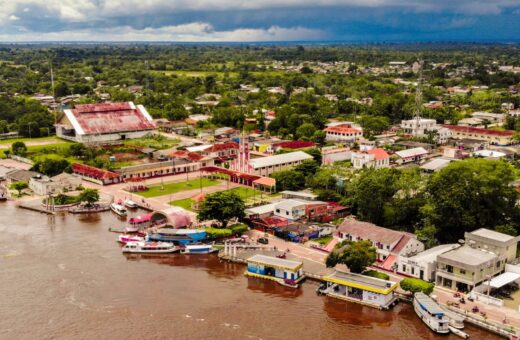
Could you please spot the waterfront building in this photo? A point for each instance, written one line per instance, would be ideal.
(92, 123)
(362, 289)
(20, 175)
(389, 244)
(44, 185)
(285, 272)
(96, 175)
(423, 264)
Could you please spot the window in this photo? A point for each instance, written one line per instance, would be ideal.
(462, 271)
(404, 268)
(413, 270)
(449, 269)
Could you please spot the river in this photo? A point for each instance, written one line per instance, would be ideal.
(64, 277)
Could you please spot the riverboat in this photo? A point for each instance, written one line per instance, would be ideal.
(130, 204)
(285, 272)
(195, 234)
(118, 209)
(182, 240)
(198, 249)
(430, 313)
(150, 247)
(125, 238)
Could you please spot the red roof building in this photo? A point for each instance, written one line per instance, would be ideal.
(499, 137)
(104, 122)
(96, 175)
(344, 133)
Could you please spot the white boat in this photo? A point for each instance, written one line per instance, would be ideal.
(455, 320)
(118, 209)
(125, 238)
(150, 247)
(198, 249)
(131, 204)
(430, 313)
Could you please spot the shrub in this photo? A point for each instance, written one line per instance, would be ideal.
(414, 285)
(377, 275)
(238, 229)
(216, 233)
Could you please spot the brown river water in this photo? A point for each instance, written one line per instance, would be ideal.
(64, 277)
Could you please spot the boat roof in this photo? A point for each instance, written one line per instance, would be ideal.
(275, 262)
(428, 304)
(360, 281)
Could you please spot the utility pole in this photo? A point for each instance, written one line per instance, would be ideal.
(418, 99)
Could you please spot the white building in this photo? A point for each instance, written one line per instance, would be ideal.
(411, 155)
(375, 158)
(423, 265)
(343, 133)
(265, 166)
(44, 185)
(291, 209)
(420, 127)
(90, 123)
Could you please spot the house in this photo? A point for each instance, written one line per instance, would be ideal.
(436, 164)
(291, 209)
(332, 154)
(374, 158)
(91, 123)
(389, 243)
(491, 136)
(18, 175)
(3, 172)
(96, 175)
(490, 154)
(411, 155)
(424, 264)
(265, 166)
(361, 289)
(44, 185)
(286, 272)
(344, 133)
(301, 195)
(420, 127)
(483, 256)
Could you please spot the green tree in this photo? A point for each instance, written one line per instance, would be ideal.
(373, 125)
(222, 206)
(471, 194)
(305, 131)
(357, 255)
(51, 166)
(19, 149)
(315, 153)
(414, 285)
(90, 196)
(319, 137)
(289, 180)
(19, 186)
(307, 168)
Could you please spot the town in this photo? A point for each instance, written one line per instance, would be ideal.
(382, 182)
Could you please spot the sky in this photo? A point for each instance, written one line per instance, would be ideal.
(259, 20)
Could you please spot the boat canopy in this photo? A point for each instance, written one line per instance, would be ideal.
(428, 304)
(360, 281)
(275, 262)
(141, 219)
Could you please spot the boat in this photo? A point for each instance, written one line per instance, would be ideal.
(150, 247)
(125, 238)
(130, 204)
(430, 313)
(177, 239)
(458, 332)
(195, 234)
(139, 222)
(455, 320)
(198, 249)
(118, 209)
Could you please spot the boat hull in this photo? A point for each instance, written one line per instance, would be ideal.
(423, 317)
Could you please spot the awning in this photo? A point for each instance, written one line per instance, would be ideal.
(502, 280)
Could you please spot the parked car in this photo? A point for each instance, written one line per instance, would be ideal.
(263, 240)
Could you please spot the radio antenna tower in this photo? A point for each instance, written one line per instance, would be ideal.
(53, 95)
(418, 97)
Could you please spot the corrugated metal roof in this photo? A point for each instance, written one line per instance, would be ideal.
(279, 159)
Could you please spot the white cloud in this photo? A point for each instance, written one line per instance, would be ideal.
(196, 32)
(13, 17)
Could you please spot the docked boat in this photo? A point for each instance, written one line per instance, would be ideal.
(430, 313)
(118, 209)
(139, 223)
(198, 249)
(195, 234)
(182, 240)
(125, 238)
(150, 247)
(130, 204)
(454, 320)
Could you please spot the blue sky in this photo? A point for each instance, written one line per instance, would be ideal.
(259, 20)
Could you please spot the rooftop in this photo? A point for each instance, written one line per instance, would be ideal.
(412, 152)
(431, 254)
(428, 304)
(370, 231)
(379, 153)
(469, 129)
(436, 164)
(289, 204)
(361, 281)
(493, 235)
(342, 129)
(275, 262)
(279, 159)
(466, 255)
(109, 118)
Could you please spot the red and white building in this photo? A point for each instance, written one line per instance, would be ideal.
(411, 155)
(343, 133)
(91, 123)
(491, 136)
(389, 244)
(375, 158)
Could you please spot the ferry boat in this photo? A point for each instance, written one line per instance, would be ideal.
(430, 313)
(195, 234)
(130, 204)
(150, 247)
(198, 249)
(182, 240)
(125, 238)
(118, 209)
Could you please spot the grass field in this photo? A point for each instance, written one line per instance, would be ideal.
(28, 140)
(171, 188)
(185, 203)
